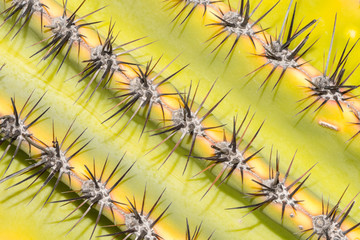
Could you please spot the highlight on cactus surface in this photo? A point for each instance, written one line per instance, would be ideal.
(200, 135)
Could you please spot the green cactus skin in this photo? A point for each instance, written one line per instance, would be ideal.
(337, 159)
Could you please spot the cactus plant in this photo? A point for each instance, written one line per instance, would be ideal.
(182, 127)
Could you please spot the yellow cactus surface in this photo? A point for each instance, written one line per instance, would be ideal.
(179, 119)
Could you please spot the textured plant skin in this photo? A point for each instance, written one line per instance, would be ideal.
(278, 111)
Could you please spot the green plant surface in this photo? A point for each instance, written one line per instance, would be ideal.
(337, 164)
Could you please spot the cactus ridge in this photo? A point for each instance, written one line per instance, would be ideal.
(143, 89)
(185, 121)
(104, 58)
(277, 53)
(94, 190)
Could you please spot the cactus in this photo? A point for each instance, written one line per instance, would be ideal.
(180, 119)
